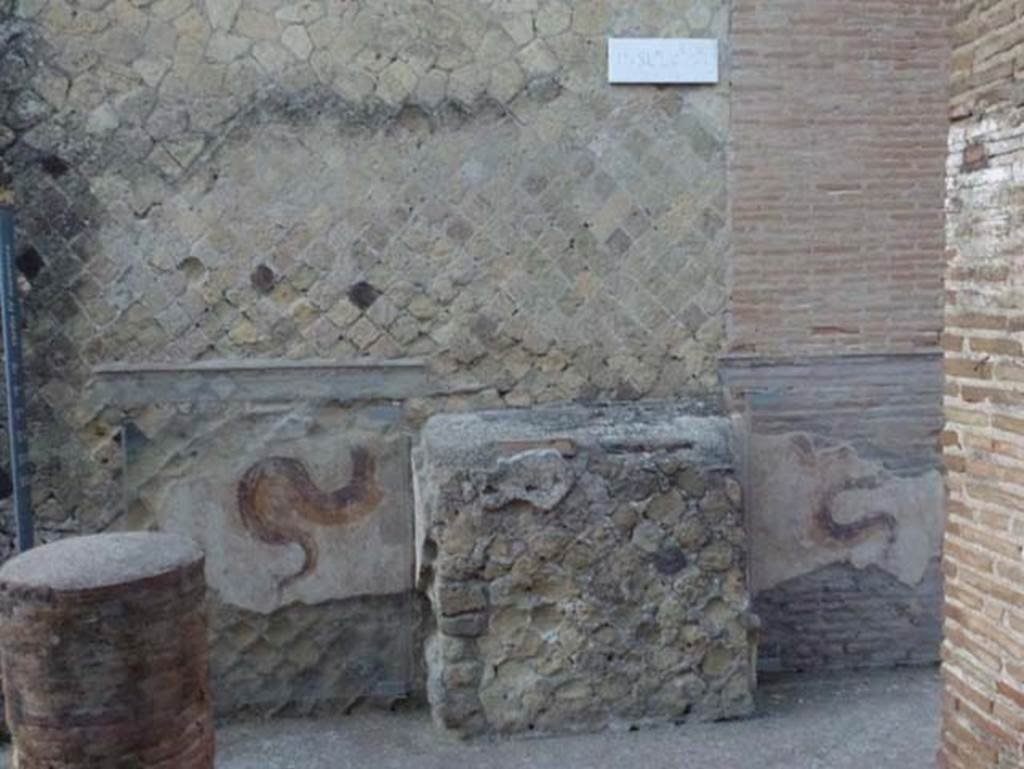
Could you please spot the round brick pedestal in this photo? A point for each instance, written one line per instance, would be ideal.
(105, 656)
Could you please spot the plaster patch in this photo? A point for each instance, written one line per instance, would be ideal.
(814, 505)
(290, 504)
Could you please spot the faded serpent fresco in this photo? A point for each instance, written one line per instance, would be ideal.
(825, 527)
(813, 505)
(278, 503)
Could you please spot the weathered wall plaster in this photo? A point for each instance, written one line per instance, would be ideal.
(291, 503)
(298, 490)
(823, 504)
(844, 503)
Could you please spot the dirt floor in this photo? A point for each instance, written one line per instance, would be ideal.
(884, 720)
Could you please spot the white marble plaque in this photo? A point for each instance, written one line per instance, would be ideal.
(662, 60)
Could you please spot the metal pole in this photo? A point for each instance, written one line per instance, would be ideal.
(13, 375)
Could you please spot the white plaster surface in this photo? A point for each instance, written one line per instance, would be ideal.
(186, 481)
(790, 479)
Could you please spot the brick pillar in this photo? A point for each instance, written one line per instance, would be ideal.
(104, 654)
(983, 652)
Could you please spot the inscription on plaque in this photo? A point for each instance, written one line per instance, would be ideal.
(662, 60)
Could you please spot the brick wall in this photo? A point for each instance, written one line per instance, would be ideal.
(984, 439)
(836, 187)
(837, 139)
(987, 67)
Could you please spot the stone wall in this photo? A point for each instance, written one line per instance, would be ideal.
(241, 180)
(340, 178)
(836, 147)
(586, 568)
(457, 183)
(984, 438)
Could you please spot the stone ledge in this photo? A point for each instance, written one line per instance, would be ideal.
(694, 426)
(135, 384)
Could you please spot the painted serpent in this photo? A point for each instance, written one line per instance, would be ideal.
(277, 500)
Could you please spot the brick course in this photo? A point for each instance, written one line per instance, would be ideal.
(984, 438)
(836, 176)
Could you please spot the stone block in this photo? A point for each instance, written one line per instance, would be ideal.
(564, 597)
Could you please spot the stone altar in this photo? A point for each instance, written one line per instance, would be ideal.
(586, 567)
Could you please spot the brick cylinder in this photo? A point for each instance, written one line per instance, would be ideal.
(104, 654)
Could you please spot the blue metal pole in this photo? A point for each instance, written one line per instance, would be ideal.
(14, 377)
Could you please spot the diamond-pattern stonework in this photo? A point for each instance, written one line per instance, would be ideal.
(313, 660)
(453, 181)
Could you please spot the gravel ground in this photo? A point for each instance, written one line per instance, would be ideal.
(881, 720)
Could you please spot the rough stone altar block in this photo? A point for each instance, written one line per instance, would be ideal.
(586, 568)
